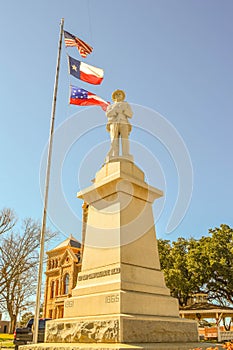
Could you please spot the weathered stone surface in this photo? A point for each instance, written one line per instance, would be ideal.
(122, 329)
(83, 332)
(158, 331)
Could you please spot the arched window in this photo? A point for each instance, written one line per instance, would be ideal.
(66, 283)
(52, 290)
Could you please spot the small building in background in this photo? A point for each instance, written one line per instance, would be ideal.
(201, 310)
(4, 325)
(63, 266)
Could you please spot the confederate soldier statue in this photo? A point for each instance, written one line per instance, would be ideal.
(118, 125)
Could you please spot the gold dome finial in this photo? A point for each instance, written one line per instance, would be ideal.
(118, 95)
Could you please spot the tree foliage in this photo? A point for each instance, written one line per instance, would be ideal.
(25, 318)
(205, 265)
(18, 265)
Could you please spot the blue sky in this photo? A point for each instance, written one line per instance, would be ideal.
(171, 57)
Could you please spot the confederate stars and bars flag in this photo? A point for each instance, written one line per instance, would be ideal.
(81, 97)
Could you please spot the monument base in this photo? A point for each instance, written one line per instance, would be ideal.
(121, 329)
(117, 346)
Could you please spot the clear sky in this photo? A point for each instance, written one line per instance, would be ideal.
(172, 57)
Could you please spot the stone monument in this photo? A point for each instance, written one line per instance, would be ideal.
(121, 298)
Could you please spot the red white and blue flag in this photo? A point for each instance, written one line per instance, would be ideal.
(81, 97)
(83, 48)
(85, 72)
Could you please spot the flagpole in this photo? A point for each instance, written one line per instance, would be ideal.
(46, 191)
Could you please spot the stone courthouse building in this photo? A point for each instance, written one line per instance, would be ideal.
(63, 265)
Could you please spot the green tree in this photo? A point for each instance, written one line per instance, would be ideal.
(173, 259)
(220, 254)
(211, 264)
(25, 318)
(204, 265)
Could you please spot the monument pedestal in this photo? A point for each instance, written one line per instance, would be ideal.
(120, 296)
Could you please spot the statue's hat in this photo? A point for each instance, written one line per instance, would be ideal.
(117, 92)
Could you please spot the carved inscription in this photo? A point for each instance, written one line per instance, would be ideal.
(114, 298)
(69, 303)
(99, 274)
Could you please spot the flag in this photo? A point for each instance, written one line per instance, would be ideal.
(83, 48)
(81, 97)
(85, 72)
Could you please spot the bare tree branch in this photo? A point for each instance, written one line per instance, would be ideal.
(7, 220)
(18, 266)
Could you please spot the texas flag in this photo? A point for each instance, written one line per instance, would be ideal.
(85, 72)
(81, 97)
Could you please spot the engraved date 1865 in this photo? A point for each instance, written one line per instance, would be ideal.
(114, 298)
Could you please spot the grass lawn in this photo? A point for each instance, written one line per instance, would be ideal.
(6, 340)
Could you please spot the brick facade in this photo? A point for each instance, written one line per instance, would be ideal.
(63, 265)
